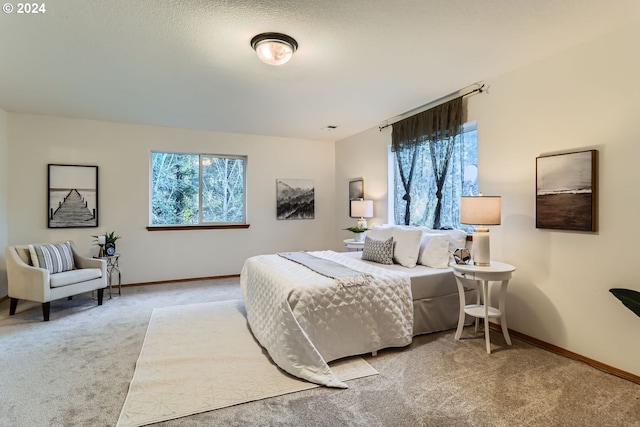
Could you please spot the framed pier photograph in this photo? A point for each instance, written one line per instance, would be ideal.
(73, 196)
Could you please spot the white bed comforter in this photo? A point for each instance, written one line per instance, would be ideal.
(305, 320)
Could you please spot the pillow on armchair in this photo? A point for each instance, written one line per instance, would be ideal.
(55, 257)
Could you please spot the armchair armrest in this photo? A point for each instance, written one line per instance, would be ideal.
(86, 262)
(26, 281)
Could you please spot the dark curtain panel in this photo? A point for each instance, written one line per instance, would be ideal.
(406, 160)
(436, 128)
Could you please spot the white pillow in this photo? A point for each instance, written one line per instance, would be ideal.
(434, 251)
(457, 239)
(406, 246)
(382, 232)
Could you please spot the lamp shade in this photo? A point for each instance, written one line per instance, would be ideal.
(480, 210)
(362, 208)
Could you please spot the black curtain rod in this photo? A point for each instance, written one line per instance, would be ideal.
(476, 90)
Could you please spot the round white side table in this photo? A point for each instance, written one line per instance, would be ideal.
(352, 244)
(482, 275)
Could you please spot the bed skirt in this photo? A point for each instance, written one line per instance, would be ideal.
(439, 313)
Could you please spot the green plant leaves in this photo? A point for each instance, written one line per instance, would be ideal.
(356, 229)
(628, 297)
(110, 237)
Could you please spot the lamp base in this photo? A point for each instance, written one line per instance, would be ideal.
(362, 223)
(481, 251)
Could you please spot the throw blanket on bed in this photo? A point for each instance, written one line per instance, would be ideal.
(341, 273)
(304, 320)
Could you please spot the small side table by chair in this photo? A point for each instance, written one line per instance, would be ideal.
(497, 271)
(112, 267)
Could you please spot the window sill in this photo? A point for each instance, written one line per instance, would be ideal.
(195, 227)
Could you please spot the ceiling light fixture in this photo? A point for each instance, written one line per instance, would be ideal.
(274, 48)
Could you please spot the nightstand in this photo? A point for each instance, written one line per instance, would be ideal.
(352, 244)
(481, 275)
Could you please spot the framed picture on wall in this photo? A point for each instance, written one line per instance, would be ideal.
(356, 191)
(295, 199)
(566, 191)
(72, 196)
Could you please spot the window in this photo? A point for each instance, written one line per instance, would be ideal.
(460, 180)
(197, 189)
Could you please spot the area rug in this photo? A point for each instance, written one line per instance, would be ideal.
(201, 357)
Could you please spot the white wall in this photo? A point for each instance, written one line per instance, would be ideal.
(4, 201)
(584, 98)
(362, 156)
(122, 152)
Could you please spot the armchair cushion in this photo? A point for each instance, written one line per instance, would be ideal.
(55, 257)
(74, 276)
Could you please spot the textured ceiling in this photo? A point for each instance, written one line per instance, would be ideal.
(360, 62)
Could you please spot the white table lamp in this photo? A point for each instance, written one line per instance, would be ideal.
(102, 240)
(480, 211)
(363, 209)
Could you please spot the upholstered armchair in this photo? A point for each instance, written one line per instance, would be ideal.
(47, 272)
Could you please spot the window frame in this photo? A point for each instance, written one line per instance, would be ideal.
(391, 181)
(200, 224)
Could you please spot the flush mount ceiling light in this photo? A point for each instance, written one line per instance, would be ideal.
(274, 48)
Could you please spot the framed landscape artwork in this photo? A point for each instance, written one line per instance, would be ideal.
(356, 191)
(566, 191)
(72, 196)
(295, 199)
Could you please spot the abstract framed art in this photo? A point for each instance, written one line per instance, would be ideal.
(356, 191)
(72, 196)
(295, 199)
(567, 191)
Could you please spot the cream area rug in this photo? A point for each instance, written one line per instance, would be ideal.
(200, 357)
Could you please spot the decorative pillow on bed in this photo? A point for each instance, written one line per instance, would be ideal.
(434, 251)
(457, 238)
(381, 232)
(55, 257)
(407, 246)
(378, 250)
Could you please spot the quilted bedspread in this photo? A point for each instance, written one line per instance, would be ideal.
(304, 319)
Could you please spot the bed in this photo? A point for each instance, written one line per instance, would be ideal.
(305, 319)
(435, 299)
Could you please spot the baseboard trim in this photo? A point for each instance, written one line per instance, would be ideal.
(191, 279)
(570, 354)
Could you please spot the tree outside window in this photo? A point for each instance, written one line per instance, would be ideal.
(193, 189)
(460, 180)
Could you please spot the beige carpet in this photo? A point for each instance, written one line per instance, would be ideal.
(201, 357)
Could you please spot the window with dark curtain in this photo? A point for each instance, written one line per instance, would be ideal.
(428, 149)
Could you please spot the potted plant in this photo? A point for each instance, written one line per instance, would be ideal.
(359, 232)
(107, 243)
